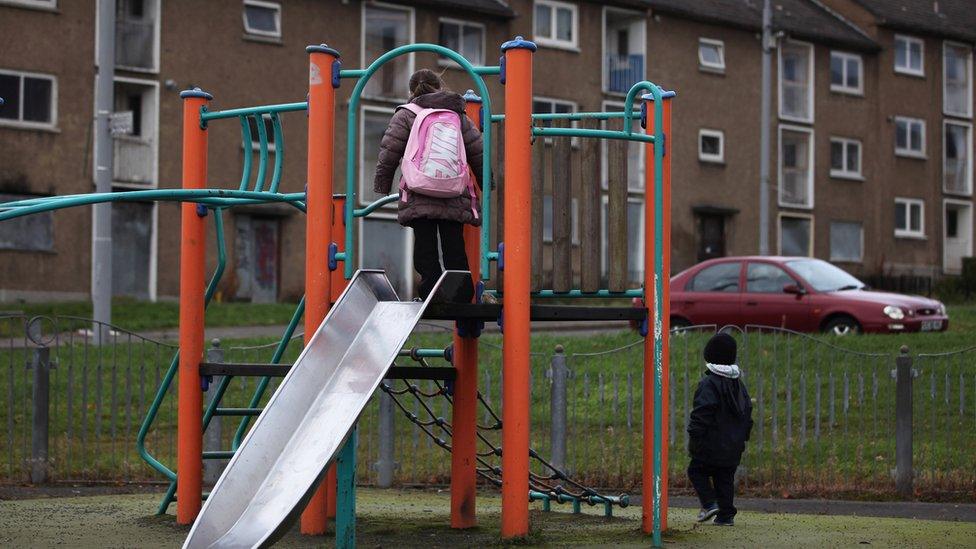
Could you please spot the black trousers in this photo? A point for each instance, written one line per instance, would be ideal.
(714, 485)
(427, 258)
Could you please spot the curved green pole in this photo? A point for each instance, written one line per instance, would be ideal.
(275, 359)
(643, 85)
(351, 148)
(262, 152)
(377, 204)
(174, 366)
(279, 143)
(246, 147)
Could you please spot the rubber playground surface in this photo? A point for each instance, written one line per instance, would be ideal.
(413, 518)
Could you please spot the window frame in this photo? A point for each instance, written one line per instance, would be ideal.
(969, 149)
(157, 30)
(969, 69)
(833, 258)
(911, 153)
(552, 41)
(388, 217)
(908, 70)
(811, 158)
(908, 232)
(444, 62)
(153, 139)
(844, 173)
(710, 158)
(689, 285)
(779, 231)
(276, 6)
(844, 88)
(811, 76)
(256, 140)
(706, 66)
(946, 202)
(361, 129)
(745, 288)
(19, 122)
(411, 38)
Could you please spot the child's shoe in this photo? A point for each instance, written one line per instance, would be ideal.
(724, 522)
(707, 512)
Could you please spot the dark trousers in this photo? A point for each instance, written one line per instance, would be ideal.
(714, 485)
(427, 258)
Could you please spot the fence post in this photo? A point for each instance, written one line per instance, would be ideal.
(41, 364)
(211, 439)
(557, 408)
(903, 423)
(385, 466)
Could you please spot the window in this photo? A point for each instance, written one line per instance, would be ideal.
(623, 49)
(711, 146)
(909, 217)
(711, 55)
(846, 73)
(30, 233)
(796, 235)
(556, 24)
(845, 158)
(909, 55)
(464, 37)
(373, 126)
(553, 106)
(384, 244)
(547, 220)
(135, 155)
(723, 277)
(262, 18)
(137, 35)
(846, 241)
(909, 137)
(386, 27)
(765, 278)
(268, 131)
(133, 225)
(795, 167)
(796, 81)
(957, 160)
(957, 79)
(30, 99)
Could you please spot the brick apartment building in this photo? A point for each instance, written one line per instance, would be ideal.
(871, 134)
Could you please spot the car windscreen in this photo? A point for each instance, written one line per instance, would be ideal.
(823, 276)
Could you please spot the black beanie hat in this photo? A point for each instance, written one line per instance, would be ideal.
(720, 349)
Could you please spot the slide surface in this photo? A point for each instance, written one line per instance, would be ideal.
(300, 432)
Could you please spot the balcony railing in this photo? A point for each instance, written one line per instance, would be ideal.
(133, 160)
(623, 71)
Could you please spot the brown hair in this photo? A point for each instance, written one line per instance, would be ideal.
(424, 81)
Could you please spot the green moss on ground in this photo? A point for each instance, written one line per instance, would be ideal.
(391, 518)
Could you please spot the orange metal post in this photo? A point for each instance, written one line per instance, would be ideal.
(193, 255)
(666, 315)
(515, 313)
(318, 231)
(464, 439)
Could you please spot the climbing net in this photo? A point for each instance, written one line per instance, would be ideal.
(553, 484)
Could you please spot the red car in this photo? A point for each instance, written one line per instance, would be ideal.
(797, 293)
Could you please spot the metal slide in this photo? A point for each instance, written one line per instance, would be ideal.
(300, 432)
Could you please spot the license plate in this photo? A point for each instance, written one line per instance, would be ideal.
(931, 325)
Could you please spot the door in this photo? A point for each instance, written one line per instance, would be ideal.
(958, 235)
(257, 258)
(713, 295)
(711, 236)
(766, 304)
(132, 228)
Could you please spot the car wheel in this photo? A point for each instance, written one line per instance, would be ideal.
(842, 326)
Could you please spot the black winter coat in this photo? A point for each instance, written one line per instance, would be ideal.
(721, 421)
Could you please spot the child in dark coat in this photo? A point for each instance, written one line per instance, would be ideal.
(720, 424)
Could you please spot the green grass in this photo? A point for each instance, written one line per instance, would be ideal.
(388, 518)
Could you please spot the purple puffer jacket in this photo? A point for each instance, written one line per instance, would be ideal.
(394, 144)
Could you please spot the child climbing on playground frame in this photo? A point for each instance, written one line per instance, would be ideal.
(720, 424)
(437, 195)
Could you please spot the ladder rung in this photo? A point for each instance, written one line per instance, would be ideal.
(218, 454)
(203, 496)
(238, 411)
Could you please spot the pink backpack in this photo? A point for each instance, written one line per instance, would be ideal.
(435, 163)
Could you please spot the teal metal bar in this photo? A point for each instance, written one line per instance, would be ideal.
(346, 494)
(249, 111)
(488, 70)
(262, 152)
(598, 134)
(279, 144)
(583, 115)
(340, 256)
(633, 292)
(355, 97)
(246, 146)
(643, 85)
(423, 353)
(375, 205)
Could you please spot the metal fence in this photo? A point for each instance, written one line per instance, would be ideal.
(825, 416)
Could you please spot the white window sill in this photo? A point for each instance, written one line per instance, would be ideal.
(712, 161)
(790, 118)
(144, 70)
(911, 154)
(846, 175)
(795, 206)
(847, 91)
(965, 194)
(557, 44)
(19, 125)
(910, 236)
(711, 70)
(262, 39)
(909, 72)
(965, 115)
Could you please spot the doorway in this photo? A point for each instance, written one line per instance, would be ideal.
(257, 248)
(957, 232)
(711, 235)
